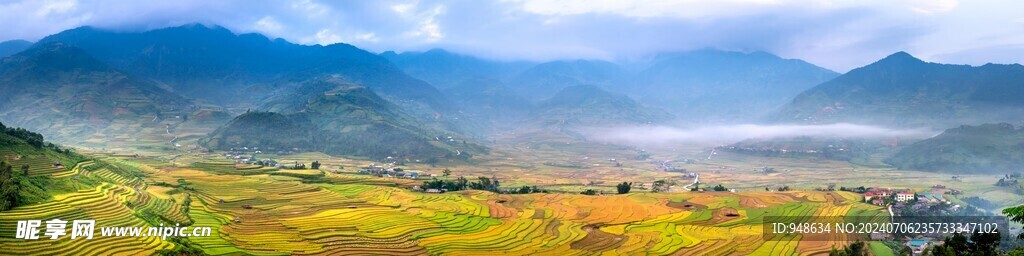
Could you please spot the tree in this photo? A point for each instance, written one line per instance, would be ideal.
(853, 249)
(315, 165)
(720, 188)
(958, 244)
(8, 187)
(1016, 214)
(589, 192)
(624, 187)
(24, 170)
(446, 173)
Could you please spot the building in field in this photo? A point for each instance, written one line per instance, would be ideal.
(904, 196)
(918, 245)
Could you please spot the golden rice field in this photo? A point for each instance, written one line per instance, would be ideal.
(270, 213)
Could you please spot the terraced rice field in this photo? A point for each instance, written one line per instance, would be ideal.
(266, 213)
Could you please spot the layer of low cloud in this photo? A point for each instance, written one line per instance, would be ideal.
(835, 34)
(724, 134)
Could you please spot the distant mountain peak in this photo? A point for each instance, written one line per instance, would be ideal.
(900, 57)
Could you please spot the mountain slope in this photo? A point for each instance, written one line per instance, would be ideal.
(490, 100)
(65, 93)
(333, 116)
(27, 162)
(8, 48)
(987, 148)
(901, 90)
(218, 66)
(445, 69)
(713, 85)
(546, 79)
(589, 105)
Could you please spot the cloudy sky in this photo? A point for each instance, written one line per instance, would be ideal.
(839, 35)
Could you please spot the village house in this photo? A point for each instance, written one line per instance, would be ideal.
(905, 195)
(918, 245)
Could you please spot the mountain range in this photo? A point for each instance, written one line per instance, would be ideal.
(901, 90)
(62, 91)
(698, 86)
(214, 65)
(88, 83)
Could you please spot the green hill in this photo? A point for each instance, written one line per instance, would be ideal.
(987, 148)
(901, 90)
(27, 163)
(336, 117)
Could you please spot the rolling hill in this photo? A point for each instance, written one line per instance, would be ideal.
(986, 148)
(901, 90)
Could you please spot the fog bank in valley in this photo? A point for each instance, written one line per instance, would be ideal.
(724, 134)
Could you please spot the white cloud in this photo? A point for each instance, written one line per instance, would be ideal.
(325, 37)
(367, 37)
(403, 8)
(56, 7)
(645, 8)
(839, 35)
(269, 25)
(932, 6)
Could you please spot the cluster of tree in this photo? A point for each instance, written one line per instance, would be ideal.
(590, 192)
(958, 244)
(32, 138)
(451, 185)
(527, 190)
(780, 189)
(297, 166)
(9, 186)
(624, 187)
(719, 188)
(858, 248)
(483, 183)
(979, 202)
(860, 189)
(1005, 182)
(662, 185)
(315, 165)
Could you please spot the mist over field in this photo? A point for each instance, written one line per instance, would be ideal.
(719, 134)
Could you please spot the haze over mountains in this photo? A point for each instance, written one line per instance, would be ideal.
(343, 100)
